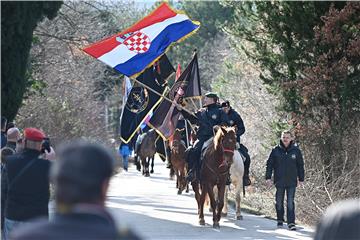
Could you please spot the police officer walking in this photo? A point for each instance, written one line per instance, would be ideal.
(206, 118)
(236, 120)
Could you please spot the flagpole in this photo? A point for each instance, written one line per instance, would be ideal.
(187, 134)
(163, 96)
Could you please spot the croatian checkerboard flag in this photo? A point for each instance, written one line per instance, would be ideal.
(139, 46)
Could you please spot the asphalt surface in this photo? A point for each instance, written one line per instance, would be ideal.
(151, 207)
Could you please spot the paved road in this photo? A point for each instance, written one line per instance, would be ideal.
(152, 208)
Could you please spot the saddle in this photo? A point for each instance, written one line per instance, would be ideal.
(206, 144)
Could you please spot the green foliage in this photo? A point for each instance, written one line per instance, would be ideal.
(211, 15)
(282, 36)
(18, 20)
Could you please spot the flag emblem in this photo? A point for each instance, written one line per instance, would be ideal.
(137, 42)
(137, 100)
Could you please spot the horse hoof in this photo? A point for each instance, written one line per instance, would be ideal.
(147, 174)
(152, 171)
(179, 192)
(239, 217)
(187, 190)
(216, 225)
(223, 214)
(202, 222)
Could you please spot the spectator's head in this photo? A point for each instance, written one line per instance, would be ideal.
(13, 134)
(340, 221)
(210, 98)
(226, 106)
(33, 138)
(81, 174)
(286, 138)
(3, 123)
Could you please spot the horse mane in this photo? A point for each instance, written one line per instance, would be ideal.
(219, 134)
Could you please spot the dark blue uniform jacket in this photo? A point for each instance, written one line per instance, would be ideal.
(287, 164)
(236, 120)
(206, 118)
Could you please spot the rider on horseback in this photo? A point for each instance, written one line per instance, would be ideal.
(236, 120)
(206, 118)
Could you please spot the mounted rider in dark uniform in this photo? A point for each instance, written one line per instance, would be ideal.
(206, 118)
(236, 120)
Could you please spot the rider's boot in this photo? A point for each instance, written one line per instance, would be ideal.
(190, 175)
(246, 178)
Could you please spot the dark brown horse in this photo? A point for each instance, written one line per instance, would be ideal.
(178, 163)
(147, 151)
(217, 160)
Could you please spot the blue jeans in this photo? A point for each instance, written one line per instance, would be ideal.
(125, 162)
(290, 206)
(9, 225)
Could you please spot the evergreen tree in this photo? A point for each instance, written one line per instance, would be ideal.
(282, 34)
(18, 20)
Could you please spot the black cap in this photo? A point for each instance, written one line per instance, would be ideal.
(211, 95)
(225, 104)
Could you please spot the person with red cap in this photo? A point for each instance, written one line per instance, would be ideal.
(26, 183)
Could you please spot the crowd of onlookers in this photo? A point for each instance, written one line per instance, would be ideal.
(80, 173)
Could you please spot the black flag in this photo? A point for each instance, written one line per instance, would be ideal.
(166, 115)
(141, 100)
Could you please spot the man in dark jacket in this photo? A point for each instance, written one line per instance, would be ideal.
(206, 118)
(81, 175)
(236, 120)
(27, 184)
(287, 162)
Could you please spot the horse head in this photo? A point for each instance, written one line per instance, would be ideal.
(176, 140)
(225, 140)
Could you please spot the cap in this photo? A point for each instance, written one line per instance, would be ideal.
(34, 134)
(225, 104)
(211, 95)
(13, 134)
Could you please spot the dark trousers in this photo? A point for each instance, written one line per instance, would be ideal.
(194, 155)
(244, 151)
(290, 206)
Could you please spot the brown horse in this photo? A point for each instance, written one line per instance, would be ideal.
(214, 170)
(178, 163)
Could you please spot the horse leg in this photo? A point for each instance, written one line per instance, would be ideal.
(152, 164)
(202, 201)
(213, 206)
(143, 166)
(147, 161)
(195, 186)
(220, 204)
(238, 208)
(225, 209)
(178, 182)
